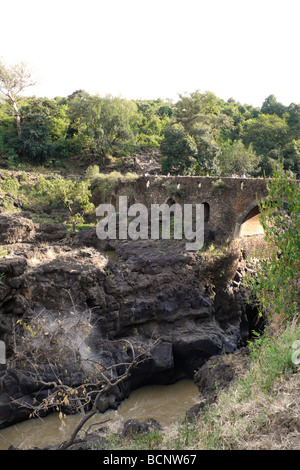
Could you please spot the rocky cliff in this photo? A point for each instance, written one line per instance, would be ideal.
(67, 303)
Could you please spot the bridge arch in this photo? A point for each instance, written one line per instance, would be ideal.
(248, 222)
(206, 211)
(169, 201)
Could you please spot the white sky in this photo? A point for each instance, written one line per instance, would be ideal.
(148, 49)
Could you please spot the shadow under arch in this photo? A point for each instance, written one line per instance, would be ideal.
(170, 201)
(206, 211)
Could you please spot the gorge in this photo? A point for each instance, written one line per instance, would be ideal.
(72, 302)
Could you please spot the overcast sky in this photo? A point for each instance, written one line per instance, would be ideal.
(152, 49)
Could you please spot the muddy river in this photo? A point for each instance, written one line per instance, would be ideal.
(167, 404)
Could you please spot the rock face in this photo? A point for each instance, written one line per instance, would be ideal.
(150, 293)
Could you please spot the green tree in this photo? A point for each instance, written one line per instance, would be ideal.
(196, 107)
(272, 106)
(293, 120)
(44, 130)
(7, 131)
(13, 80)
(34, 144)
(277, 283)
(102, 125)
(84, 113)
(52, 111)
(238, 159)
(118, 119)
(266, 133)
(291, 154)
(153, 118)
(207, 149)
(72, 195)
(178, 149)
(239, 115)
(203, 119)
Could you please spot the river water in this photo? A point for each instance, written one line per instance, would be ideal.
(165, 403)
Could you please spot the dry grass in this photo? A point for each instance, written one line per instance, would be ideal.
(263, 421)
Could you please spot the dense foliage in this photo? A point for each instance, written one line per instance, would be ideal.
(277, 284)
(199, 134)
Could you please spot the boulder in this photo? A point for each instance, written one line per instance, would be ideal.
(15, 229)
(133, 427)
(5, 409)
(218, 373)
(51, 232)
(12, 267)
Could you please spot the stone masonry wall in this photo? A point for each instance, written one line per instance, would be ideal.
(229, 200)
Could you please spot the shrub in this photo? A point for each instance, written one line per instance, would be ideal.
(92, 172)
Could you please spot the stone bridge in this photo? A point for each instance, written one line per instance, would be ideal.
(230, 204)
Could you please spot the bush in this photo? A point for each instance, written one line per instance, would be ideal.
(277, 284)
(92, 172)
(72, 195)
(10, 185)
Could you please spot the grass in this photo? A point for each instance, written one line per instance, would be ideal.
(80, 227)
(272, 359)
(3, 252)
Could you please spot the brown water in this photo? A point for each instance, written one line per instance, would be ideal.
(166, 404)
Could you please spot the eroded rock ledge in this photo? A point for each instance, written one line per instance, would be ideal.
(147, 292)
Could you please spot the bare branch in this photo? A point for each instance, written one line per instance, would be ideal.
(33, 343)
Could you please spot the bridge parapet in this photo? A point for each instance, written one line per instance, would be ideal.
(228, 201)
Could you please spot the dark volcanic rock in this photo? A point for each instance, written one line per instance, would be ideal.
(148, 293)
(50, 232)
(133, 427)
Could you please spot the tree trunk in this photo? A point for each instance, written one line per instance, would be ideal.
(18, 117)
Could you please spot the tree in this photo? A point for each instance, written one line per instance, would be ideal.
(34, 144)
(266, 133)
(118, 118)
(272, 106)
(277, 284)
(107, 382)
(102, 125)
(153, 118)
(72, 195)
(13, 80)
(203, 119)
(179, 150)
(197, 107)
(44, 127)
(293, 120)
(238, 159)
(51, 111)
(207, 149)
